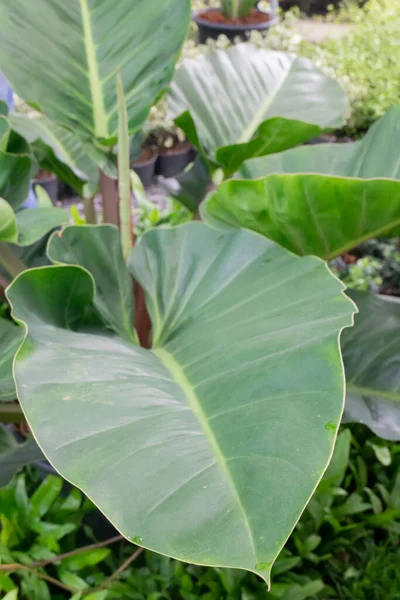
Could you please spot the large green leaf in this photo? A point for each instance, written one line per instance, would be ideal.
(371, 352)
(308, 214)
(11, 338)
(8, 225)
(63, 56)
(375, 156)
(249, 102)
(14, 456)
(208, 446)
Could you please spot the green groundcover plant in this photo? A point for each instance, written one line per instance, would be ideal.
(345, 545)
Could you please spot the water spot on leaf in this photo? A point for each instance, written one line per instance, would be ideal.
(331, 426)
(137, 540)
(263, 566)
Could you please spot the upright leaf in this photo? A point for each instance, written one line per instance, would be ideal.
(98, 250)
(63, 57)
(249, 102)
(207, 446)
(371, 352)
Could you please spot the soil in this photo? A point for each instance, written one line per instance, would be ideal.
(41, 175)
(215, 16)
(177, 148)
(145, 156)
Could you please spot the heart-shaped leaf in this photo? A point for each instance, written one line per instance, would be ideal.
(207, 446)
(248, 102)
(75, 48)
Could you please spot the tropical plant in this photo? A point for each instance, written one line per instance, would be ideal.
(248, 102)
(228, 408)
(237, 8)
(77, 108)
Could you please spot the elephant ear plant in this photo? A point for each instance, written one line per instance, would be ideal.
(207, 445)
(206, 441)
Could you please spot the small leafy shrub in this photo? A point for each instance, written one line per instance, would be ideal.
(373, 266)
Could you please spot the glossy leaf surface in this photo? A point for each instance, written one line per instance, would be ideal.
(208, 446)
(249, 102)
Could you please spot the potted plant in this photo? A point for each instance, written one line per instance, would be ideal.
(49, 182)
(143, 158)
(174, 151)
(234, 18)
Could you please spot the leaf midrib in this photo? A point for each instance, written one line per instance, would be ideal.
(181, 380)
(96, 91)
(260, 115)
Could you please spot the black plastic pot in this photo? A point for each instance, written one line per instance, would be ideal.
(146, 170)
(208, 30)
(50, 184)
(172, 164)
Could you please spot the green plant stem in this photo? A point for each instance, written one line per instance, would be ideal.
(109, 193)
(90, 211)
(115, 575)
(13, 265)
(124, 179)
(11, 413)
